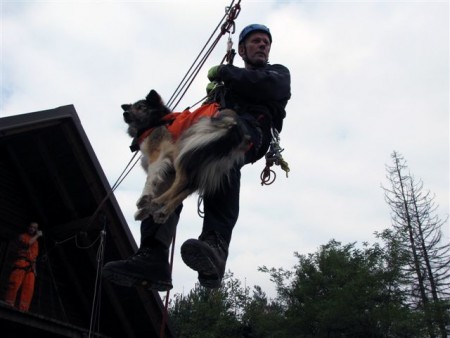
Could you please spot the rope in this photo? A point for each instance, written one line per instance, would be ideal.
(46, 258)
(200, 212)
(166, 302)
(95, 312)
(122, 176)
(231, 13)
(119, 180)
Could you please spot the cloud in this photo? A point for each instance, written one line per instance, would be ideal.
(368, 78)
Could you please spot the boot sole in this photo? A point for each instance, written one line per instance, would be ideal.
(197, 258)
(130, 281)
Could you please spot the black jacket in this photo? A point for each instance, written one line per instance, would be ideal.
(264, 91)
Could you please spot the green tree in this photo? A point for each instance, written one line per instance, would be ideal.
(342, 291)
(416, 231)
(209, 313)
(263, 318)
(227, 312)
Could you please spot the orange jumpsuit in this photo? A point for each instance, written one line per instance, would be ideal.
(23, 273)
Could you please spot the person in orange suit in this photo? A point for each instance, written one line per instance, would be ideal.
(23, 272)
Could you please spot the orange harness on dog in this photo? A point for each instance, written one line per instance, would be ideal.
(180, 121)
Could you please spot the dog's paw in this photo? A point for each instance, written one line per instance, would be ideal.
(141, 214)
(143, 201)
(154, 206)
(160, 216)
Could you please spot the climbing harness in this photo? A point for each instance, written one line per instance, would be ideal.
(273, 156)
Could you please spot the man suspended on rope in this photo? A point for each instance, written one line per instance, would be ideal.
(259, 92)
(23, 272)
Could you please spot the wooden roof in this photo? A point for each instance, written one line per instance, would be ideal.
(49, 173)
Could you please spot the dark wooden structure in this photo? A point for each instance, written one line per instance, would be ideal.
(49, 173)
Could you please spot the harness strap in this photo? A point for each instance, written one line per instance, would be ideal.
(142, 134)
(24, 258)
(186, 119)
(177, 122)
(166, 120)
(25, 268)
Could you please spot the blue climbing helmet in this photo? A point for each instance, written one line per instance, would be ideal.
(254, 28)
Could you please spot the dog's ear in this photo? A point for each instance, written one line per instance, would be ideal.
(154, 99)
(126, 107)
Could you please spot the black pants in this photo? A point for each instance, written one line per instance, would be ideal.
(221, 210)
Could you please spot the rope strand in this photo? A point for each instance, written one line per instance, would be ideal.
(228, 26)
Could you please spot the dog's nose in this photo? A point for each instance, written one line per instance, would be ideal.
(126, 117)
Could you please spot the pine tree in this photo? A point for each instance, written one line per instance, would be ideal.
(417, 230)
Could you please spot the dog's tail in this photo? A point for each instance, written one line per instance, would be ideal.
(211, 148)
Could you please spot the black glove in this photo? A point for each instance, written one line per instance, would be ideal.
(213, 73)
(211, 86)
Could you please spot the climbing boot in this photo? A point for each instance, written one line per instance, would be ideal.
(148, 267)
(206, 255)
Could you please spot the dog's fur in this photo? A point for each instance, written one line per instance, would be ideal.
(199, 160)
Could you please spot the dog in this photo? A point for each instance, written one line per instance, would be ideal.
(197, 159)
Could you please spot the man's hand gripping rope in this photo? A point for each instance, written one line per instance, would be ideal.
(273, 156)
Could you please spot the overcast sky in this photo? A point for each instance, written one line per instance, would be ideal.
(368, 78)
